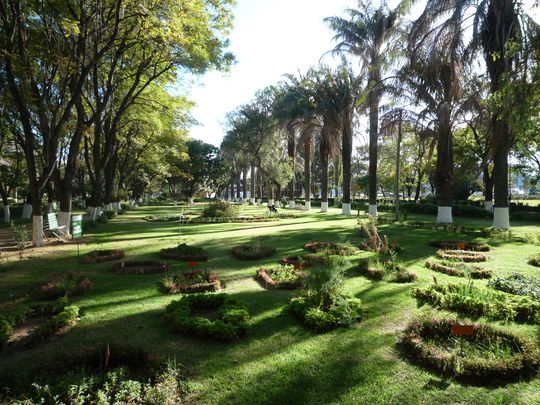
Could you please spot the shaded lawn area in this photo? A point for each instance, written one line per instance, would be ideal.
(280, 361)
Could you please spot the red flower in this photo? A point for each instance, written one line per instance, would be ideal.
(192, 264)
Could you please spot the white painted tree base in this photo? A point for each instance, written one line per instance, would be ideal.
(444, 215)
(324, 206)
(291, 203)
(372, 210)
(270, 203)
(27, 211)
(7, 213)
(64, 219)
(37, 230)
(307, 206)
(94, 213)
(278, 204)
(346, 209)
(488, 206)
(501, 218)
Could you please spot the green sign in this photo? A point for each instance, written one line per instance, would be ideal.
(76, 226)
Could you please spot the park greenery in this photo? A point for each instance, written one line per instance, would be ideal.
(299, 261)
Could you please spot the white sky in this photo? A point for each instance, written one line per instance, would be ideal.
(269, 38)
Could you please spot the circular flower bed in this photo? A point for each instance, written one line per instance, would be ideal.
(216, 316)
(165, 218)
(535, 261)
(191, 282)
(302, 261)
(109, 374)
(331, 248)
(68, 284)
(283, 277)
(486, 357)
(139, 267)
(98, 256)
(404, 276)
(252, 252)
(460, 245)
(186, 253)
(457, 269)
(462, 255)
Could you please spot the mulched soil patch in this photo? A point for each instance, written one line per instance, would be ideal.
(246, 252)
(139, 267)
(331, 248)
(191, 282)
(303, 261)
(98, 256)
(460, 245)
(462, 255)
(431, 344)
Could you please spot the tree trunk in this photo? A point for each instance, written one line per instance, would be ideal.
(346, 156)
(291, 152)
(501, 214)
(323, 153)
(373, 140)
(488, 188)
(398, 173)
(252, 185)
(444, 172)
(307, 171)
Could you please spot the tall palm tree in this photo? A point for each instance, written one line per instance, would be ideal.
(367, 33)
(497, 24)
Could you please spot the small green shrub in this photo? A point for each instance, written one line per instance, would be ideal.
(535, 261)
(186, 253)
(220, 209)
(404, 276)
(231, 316)
(66, 317)
(110, 214)
(476, 302)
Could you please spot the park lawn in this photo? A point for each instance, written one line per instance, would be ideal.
(279, 361)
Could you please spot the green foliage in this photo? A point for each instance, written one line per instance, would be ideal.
(68, 284)
(190, 282)
(185, 252)
(221, 209)
(231, 316)
(535, 261)
(67, 316)
(518, 284)
(252, 251)
(110, 214)
(474, 301)
(21, 236)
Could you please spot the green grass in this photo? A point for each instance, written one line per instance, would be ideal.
(280, 361)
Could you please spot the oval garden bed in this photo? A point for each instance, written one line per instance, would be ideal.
(98, 256)
(186, 253)
(216, 316)
(458, 269)
(330, 248)
(453, 244)
(139, 267)
(487, 356)
(302, 261)
(462, 255)
(190, 282)
(108, 374)
(252, 252)
(67, 284)
(282, 277)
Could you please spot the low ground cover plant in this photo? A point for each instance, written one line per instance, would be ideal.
(455, 244)
(462, 255)
(489, 356)
(190, 282)
(139, 267)
(330, 248)
(459, 269)
(98, 256)
(185, 252)
(216, 316)
(67, 284)
(476, 302)
(252, 251)
(280, 276)
(322, 306)
(164, 218)
(517, 284)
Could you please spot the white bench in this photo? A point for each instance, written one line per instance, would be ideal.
(53, 227)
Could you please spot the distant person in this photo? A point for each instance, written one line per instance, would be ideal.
(272, 208)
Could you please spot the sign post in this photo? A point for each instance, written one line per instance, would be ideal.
(77, 231)
(462, 331)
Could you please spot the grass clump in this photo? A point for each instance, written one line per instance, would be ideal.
(187, 315)
(322, 306)
(487, 357)
(517, 284)
(281, 276)
(476, 302)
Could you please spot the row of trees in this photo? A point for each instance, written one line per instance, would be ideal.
(84, 105)
(465, 71)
